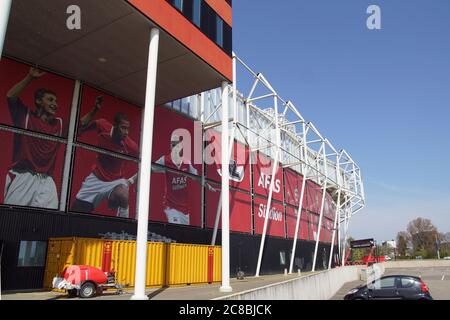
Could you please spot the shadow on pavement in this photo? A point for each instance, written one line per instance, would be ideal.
(157, 292)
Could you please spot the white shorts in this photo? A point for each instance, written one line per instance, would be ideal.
(94, 191)
(31, 190)
(176, 217)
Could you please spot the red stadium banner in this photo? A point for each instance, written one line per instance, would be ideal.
(327, 230)
(109, 123)
(175, 140)
(330, 207)
(34, 100)
(175, 198)
(30, 171)
(262, 178)
(313, 196)
(239, 163)
(276, 223)
(293, 188)
(240, 209)
(313, 226)
(291, 220)
(103, 184)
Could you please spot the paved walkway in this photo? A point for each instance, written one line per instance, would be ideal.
(193, 292)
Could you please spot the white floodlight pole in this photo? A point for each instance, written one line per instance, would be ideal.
(145, 168)
(5, 8)
(321, 210)
(272, 182)
(302, 194)
(225, 194)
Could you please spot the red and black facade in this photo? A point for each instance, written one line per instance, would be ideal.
(195, 56)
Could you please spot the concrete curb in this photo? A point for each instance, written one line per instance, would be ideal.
(319, 286)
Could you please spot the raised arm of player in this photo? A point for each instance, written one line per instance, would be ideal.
(86, 120)
(14, 93)
(132, 180)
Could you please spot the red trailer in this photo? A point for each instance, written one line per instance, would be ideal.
(85, 281)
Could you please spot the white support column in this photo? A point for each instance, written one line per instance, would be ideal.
(321, 208)
(336, 217)
(344, 245)
(272, 182)
(339, 232)
(230, 150)
(338, 207)
(303, 155)
(225, 193)
(69, 147)
(5, 8)
(319, 227)
(145, 169)
(344, 240)
(297, 225)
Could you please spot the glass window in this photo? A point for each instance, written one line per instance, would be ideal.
(219, 35)
(178, 4)
(386, 283)
(204, 17)
(185, 106)
(187, 9)
(196, 12)
(407, 282)
(177, 105)
(32, 254)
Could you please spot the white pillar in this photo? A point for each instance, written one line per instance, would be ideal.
(69, 148)
(225, 194)
(145, 169)
(230, 150)
(303, 157)
(272, 182)
(320, 226)
(339, 233)
(336, 217)
(297, 225)
(5, 7)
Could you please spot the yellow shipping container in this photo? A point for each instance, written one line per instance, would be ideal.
(167, 264)
(63, 252)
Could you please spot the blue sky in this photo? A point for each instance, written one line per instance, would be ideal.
(384, 95)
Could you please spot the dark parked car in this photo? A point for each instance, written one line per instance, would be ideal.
(392, 288)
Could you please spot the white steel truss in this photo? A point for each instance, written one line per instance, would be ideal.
(281, 133)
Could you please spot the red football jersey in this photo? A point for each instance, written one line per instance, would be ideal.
(29, 153)
(176, 190)
(108, 168)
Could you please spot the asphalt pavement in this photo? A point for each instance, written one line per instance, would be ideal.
(436, 278)
(192, 292)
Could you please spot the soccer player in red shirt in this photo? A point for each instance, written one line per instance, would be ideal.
(29, 181)
(107, 181)
(176, 195)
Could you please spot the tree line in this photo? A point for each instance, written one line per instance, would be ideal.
(422, 239)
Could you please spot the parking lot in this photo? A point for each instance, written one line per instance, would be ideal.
(436, 278)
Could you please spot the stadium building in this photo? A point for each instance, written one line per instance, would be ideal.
(95, 93)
